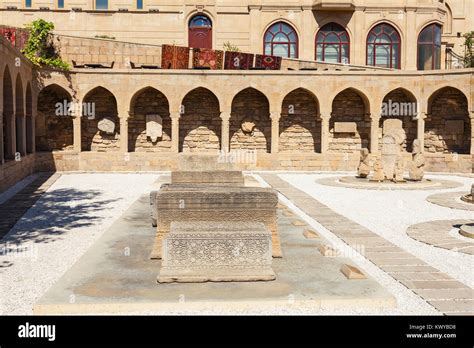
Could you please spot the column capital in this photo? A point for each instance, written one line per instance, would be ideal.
(275, 115)
(175, 115)
(225, 115)
(471, 114)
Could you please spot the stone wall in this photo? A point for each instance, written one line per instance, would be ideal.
(300, 125)
(348, 106)
(448, 128)
(149, 101)
(200, 125)
(53, 132)
(105, 106)
(250, 106)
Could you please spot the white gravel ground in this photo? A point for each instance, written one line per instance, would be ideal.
(390, 213)
(58, 229)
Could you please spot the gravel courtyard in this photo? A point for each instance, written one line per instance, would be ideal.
(78, 208)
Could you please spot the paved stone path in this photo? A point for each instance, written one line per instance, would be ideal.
(443, 292)
(15, 207)
(450, 200)
(436, 233)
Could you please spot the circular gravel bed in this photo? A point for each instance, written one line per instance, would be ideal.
(366, 184)
(450, 200)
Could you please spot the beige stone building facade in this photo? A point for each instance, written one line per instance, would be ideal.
(316, 118)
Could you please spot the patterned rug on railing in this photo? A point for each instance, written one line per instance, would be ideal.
(238, 61)
(16, 36)
(174, 57)
(207, 58)
(268, 62)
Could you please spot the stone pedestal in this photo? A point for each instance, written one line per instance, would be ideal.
(202, 251)
(191, 203)
(215, 177)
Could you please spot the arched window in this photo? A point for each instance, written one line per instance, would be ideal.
(200, 32)
(383, 47)
(332, 44)
(429, 48)
(281, 40)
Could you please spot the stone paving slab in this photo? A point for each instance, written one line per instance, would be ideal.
(436, 233)
(105, 280)
(450, 200)
(15, 207)
(397, 269)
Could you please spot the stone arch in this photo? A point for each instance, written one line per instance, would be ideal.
(148, 101)
(99, 104)
(448, 126)
(200, 123)
(8, 143)
(350, 122)
(19, 116)
(54, 125)
(402, 105)
(29, 119)
(253, 106)
(300, 125)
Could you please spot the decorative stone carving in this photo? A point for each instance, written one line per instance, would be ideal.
(418, 162)
(399, 169)
(154, 127)
(106, 125)
(378, 175)
(345, 127)
(201, 251)
(390, 153)
(185, 202)
(215, 177)
(248, 126)
(391, 124)
(364, 166)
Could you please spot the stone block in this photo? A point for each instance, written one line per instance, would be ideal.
(154, 127)
(392, 124)
(310, 234)
(345, 127)
(328, 251)
(202, 251)
(298, 223)
(219, 177)
(106, 125)
(181, 202)
(352, 272)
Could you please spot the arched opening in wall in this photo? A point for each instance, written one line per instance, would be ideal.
(333, 44)
(399, 109)
(54, 123)
(250, 123)
(384, 47)
(149, 125)
(448, 127)
(300, 126)
(281, 40)
(200, 32)
(29, 120)
(8, 117)
(200, 124)
(349, 125)
(100, 125)
(19, 117)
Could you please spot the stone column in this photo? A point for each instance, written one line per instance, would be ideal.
(11, 143)
(175, 132)
(23, 134)
(225, 116)
(123, 134)
(420, 126)
(2, 160)
(33, 130)
(76, 122)
(472, 132)
(374, 134)
(325, 132)
(409, 52)
(275, 116)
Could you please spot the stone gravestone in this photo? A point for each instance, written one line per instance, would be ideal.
(106, 125)
(417, 169)
(202, 251)
(154, 127)
(364, 166)
(390, 153)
